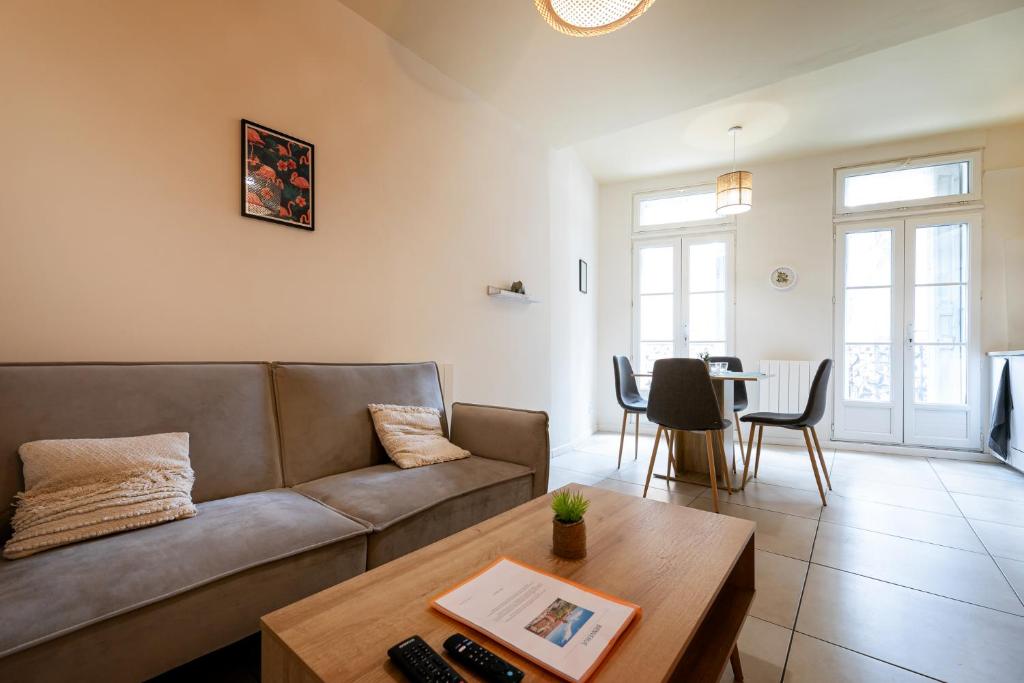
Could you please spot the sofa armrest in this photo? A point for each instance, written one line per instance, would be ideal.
(509, 434)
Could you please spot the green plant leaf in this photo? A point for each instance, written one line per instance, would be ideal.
(569, 506)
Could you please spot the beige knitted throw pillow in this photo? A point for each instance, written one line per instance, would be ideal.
(412, 435)
(76, 489)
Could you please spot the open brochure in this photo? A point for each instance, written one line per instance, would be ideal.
(559, 625)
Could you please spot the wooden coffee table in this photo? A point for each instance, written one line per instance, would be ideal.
(692, 572)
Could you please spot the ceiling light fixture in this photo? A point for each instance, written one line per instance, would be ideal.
(584, 18)
(734, 190)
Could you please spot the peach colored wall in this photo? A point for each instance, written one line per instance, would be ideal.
(120, 234)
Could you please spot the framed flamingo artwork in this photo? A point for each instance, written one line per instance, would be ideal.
(277, 176)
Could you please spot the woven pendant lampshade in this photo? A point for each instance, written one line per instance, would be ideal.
(583, 18)
(734, 191)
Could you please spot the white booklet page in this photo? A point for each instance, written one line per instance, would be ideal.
(564, 627)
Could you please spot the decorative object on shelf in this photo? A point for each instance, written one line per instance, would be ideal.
(517, 287)
(783, 278)
(569, 530)
(585, 18)
(734, 190)
(277, 176)
(583, 276)
(502, 293)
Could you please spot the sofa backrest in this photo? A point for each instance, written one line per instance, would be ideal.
(322, 414)
(227, 409)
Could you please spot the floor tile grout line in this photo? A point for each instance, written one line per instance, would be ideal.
(800, 602)
(864, 654)
(919, 590)
(982, 541)
(906, 538)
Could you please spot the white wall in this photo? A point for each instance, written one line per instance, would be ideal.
(573, 314)
(121, 239)
(791, 224)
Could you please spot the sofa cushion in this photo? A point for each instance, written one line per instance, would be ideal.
(57, 592)
(227, 409)
(409, 509)
(322, 411)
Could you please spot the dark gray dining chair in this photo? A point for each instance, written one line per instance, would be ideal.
(683, 399)
(739, 397)
(805, 421)
(630, 400)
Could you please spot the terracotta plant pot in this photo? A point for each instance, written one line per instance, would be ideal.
(569, 540)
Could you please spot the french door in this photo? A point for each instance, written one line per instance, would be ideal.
(907, 331)
(683, 302)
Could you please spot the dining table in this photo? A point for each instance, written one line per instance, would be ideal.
(689, 457)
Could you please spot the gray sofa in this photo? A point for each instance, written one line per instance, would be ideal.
(294, 491)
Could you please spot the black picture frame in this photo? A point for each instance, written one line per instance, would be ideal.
(277, 177)
(583, 276)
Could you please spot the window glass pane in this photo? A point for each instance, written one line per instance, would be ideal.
(868, 315)
(707, 267)
(941, 254)
(656, 270)
(680, 208)
(940, 314)
(656, 317)
(869, 372)
(650, 352)
(940, 374)
(869, 258)
(712, 349)
(942, 180)
(707, 317)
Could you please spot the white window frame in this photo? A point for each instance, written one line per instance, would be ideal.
(680, 307)
(972, 157)
(702, 188)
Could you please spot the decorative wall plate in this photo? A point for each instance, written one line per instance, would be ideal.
(783, 278)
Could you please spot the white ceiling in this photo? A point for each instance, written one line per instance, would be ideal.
(765, 62)
(969, 76)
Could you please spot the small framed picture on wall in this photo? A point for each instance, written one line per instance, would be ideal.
(583, 276)
(277, 176)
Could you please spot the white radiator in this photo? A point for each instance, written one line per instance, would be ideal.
(786, 387)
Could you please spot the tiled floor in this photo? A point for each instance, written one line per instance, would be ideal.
(913, 572)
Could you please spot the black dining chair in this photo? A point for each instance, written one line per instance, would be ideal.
(805, 421)
(683, 399)
(630, 400)
(739, 396)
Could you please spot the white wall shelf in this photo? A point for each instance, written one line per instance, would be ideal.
(509, 295)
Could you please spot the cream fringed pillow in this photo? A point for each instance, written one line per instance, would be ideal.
(77, 489)
(412, 435)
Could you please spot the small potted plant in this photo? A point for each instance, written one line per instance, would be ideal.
(569, 533)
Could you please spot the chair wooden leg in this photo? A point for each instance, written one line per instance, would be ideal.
(622, 436)
(746, 459)
(636, 444)
(734, 659)
(757, 458)
(739, 439)
(725, 463)
(654, 455)
(814, 464)
(669, 439)
(710, 447)
(821, 457)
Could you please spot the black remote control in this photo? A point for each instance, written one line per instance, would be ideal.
(421, 663)
(480, 660)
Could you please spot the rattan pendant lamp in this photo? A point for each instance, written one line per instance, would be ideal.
(584, 18)
(734, 190)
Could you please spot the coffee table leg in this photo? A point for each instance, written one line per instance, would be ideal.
(734, 659)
